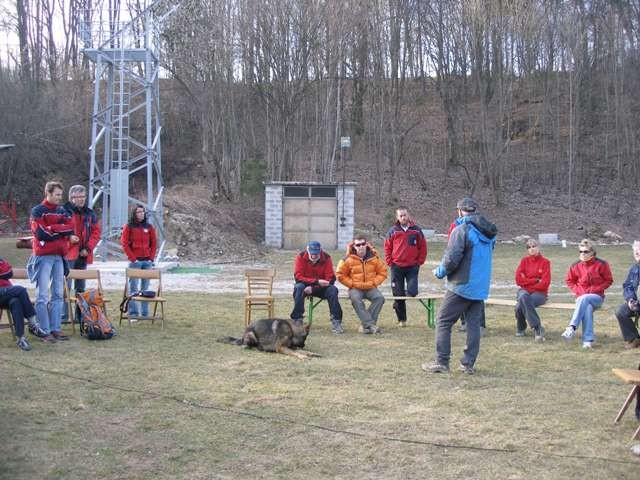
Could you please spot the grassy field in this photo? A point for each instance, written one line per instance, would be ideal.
(175, 404)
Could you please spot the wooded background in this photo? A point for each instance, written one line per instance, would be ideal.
(512, 93)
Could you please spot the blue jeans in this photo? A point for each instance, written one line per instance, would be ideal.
(585, 305)
(136, 284)
(400, 275)
(47, 271)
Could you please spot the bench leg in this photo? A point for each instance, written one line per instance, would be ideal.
(626, 403)
(312, 305)
(430, 307)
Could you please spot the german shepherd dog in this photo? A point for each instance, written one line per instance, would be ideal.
(274, 335)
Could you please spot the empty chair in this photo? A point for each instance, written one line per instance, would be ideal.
(259, 292)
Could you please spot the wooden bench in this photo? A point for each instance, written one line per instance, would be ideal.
(512, 303)
(428, 301)
(629, 377)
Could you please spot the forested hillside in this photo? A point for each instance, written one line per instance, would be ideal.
(530, 105)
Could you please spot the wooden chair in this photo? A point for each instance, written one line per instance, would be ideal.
(18, 274)
(91, 275)
(153, 274)
(259, 292)
(630, 377)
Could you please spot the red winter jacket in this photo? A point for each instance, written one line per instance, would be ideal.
(405, 248)
(6, 272)
(534, 274)
(87, 228)
(139, 241)
(309, 273)
(51, 226)
(592, 276)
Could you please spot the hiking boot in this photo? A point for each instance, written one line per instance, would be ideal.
(402, 323)
(521, 333)
(462, 327)
(59, 336)
(587, 345)
(36, 331)
(23, 344)
(539, 334)
(635, 343)
(468, 369)
(435, 367)
(336, 327)
(569, 333)
(48, 339)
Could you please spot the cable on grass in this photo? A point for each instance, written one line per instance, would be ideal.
(193, 404)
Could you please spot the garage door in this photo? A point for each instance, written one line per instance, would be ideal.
(310, 213)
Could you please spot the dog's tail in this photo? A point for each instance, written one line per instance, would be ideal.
(231, 340)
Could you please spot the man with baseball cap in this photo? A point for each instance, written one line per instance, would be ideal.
(466, 263)
(314, 275)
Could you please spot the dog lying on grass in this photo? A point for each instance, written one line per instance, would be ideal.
(274, 335)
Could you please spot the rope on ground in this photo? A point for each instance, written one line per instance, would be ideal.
(193, 404)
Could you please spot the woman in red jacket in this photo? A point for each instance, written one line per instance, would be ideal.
(533, 276)
(588, 279)
(139, 243)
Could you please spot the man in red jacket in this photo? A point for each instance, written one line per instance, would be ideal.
(52, 230)
(87, 228)
(405, 249)
(314, 275)
(533, 276)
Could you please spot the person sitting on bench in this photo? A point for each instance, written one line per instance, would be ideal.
(630, 309)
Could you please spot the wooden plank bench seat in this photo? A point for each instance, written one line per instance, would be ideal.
(512, 303)
(629, 377)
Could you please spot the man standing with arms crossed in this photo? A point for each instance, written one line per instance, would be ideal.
(405, 249)
(466, 263)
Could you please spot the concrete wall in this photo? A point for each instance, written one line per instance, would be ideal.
(345, 233)
(273, 216)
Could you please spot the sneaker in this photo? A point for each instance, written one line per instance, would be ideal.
(402, 323)
(468, 369)
(48, 339)
(521, 333)
(336, 327)
(462, 327)
(297, 321)
(635, 343)
(375, 329)
(23, 344)
(36, 331)
(365, 330)
(435, 367)
(539, 334)
(59, 336)
(569, 333)
(587, 345)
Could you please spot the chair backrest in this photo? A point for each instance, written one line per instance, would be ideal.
(90, 274)
(20, 274)
(260, 281)
(152, 274)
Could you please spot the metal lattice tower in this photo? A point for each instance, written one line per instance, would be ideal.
(126, 123)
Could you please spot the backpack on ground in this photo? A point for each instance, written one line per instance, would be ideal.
(94, 324)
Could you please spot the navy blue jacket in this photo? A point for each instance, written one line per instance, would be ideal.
(468, 257)
(630, 285)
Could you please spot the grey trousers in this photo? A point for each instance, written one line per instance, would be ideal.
(453, 306)
(627, 325)
(368, 316)
(526, 309)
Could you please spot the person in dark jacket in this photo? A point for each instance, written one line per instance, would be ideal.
(405, 250)
(628, 310)
(588, 278)
(87, 228)
(466, 263)
(139, 241)
(15, 298)
(533, 276)
(314, 275)
(52, 230)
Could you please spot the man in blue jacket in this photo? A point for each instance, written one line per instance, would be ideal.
(466, 263)
(628, 310)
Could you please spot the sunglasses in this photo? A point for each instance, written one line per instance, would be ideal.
(584, 251)
(532, 246)
(360, 244)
